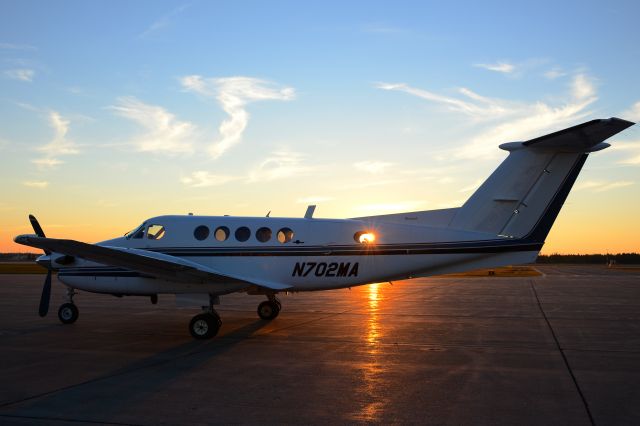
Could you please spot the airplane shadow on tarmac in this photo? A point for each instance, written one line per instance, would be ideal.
(127, 389)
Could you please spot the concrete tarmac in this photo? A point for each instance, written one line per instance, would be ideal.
(563, 348)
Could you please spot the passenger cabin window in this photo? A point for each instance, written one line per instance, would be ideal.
(201, 233)
(242, 234)
(155, 232)
(285, 235)
(263, 235)
(222, 233)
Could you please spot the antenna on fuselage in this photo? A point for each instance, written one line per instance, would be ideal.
(269, 213)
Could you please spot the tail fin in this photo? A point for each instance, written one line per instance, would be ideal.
(523, 196)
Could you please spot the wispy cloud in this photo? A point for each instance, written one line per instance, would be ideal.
(59, 145)
(507, 120)
(233, 94)
(554, 73)
(14, 46)
(632, 151)
(392, 207)
(202, 179)
(373, 167)
(164, 133)
(475, 106)
(601, 186)
(632, 113)
(501, 66)
(314, 199)
(21, 74)
(280, 165)
(38, 184)
(163, 22)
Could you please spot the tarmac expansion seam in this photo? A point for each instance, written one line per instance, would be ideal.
(63, 419)
(564, 357)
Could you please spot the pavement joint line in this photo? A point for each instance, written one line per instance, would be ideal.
(63, 419)
(564, 357)
(117, 373)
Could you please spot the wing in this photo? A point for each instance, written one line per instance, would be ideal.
(151, 263)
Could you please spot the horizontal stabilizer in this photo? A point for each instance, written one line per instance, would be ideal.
(580, 138)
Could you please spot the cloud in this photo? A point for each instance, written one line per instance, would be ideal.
(554, 73)
(234, 94)
(505, 120)
(373, 167)
(476, 106)
(632, 113)
(280, 165)
(582, 87)
(601, 186)
(59, 145)
(163, 22)
(21, 74)
(633, 156)
(202, 179)
(13, 46)
(164, 133)
(38, 184)
(392, 207)
(314, 199)
(502, 66)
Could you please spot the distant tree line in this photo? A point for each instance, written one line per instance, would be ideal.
(18, 257)
(618, 258)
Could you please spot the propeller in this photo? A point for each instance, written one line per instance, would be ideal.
(46, 289)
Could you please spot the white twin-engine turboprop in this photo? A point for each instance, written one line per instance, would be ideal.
(505, 222)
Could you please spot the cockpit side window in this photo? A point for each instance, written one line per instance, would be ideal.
(155, 232)
(136, 233)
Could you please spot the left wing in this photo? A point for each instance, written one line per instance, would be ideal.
(155, 264)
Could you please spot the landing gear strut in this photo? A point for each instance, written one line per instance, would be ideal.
(206, 324)
(68, 312)
(269, 309)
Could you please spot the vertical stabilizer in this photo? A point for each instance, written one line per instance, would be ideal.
(523, 196)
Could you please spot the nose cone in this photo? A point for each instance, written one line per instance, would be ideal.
(44, 260)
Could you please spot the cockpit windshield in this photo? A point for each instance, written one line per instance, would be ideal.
(136, 233)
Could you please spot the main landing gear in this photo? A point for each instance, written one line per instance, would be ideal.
(206, 324)
(269, 309)
(68, 312)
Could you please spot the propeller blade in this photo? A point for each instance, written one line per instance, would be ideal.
(38, 229)
(46, 295)
(36, 226)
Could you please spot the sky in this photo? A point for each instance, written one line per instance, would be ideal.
(115, 111)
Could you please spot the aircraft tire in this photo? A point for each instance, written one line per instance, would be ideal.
(204, 326)
(68, 313)
(268, 310)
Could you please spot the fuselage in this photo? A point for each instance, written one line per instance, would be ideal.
(304, 254)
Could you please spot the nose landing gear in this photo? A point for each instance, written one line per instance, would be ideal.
(68, 312)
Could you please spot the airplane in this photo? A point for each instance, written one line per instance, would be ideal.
(201, 258)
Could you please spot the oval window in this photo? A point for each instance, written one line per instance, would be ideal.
(263, 235)
(285, 235)
(222, 233)
(243, 233)
(201, 233)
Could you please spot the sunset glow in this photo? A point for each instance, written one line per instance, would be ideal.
(109, 118)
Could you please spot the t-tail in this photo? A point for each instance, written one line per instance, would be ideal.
(523, 196)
